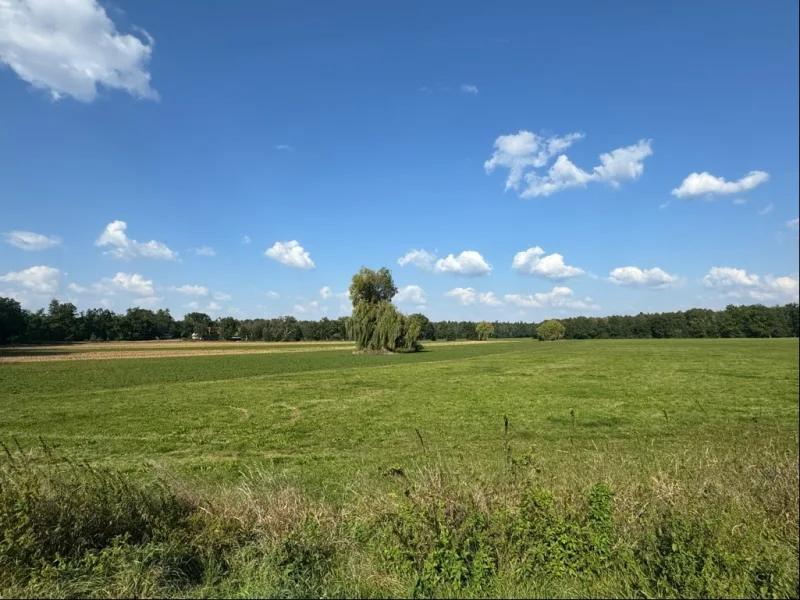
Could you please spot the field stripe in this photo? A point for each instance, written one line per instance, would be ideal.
(268, 376)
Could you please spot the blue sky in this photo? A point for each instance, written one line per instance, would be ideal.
(573, 158)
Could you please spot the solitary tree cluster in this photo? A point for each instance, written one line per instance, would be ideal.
(484, 329)
(376, 325)
(550, 331)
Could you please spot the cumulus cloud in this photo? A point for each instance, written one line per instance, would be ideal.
(470, 296)
(469, 263)
(290, 254)
(131, 282)
(728, 276)
(558, 297)
(127, 248)
(191, 290)
(793, 224)
(69, 48)
(410, 294)
(767, 209)
(533, 261)
(123, 282)
(521, 152)
(654, 279)
(739, 201)
(738, 283)
(617, 165)
(205, 251)
(272, 295)
(524, 150)
(417, 258)
(284, 147)
(705, 184)
(304, 308)
(469, 89)
(222, 296)
(213, 306)
(28, 240)
(38, 280)
(325, 292)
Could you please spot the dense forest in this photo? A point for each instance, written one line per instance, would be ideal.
(63, 322)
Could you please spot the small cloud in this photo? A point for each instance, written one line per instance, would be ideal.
(740, 201)
(767, 209)
(205, 251)
(325, 292)
(705, 184)
(222, 296)
(246, 239)
(469, 263)
(284, 147)
(272, 295)
(28, 240)
(127, 248)
(291, 254)
(793, 224)
(654, 278)
(469, 88)
(191, 290)
(663, 206)
(410, 294)
(39, 280)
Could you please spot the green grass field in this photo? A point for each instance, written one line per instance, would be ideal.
(696, 425)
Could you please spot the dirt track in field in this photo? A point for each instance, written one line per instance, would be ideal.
(165, 349)
(121, 354)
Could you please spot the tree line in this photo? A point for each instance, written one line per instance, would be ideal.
(62, 322)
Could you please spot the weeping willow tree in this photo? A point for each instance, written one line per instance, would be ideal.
(376, 325)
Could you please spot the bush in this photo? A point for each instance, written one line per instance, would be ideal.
(550, 331)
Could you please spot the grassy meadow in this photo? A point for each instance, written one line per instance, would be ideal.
(603, 467)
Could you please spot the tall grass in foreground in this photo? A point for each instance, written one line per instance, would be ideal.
(709, 526)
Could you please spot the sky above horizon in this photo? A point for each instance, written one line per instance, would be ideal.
(513, 161)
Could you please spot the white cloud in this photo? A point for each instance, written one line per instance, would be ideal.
(526, 150)
(793, 224)
(737, 283)
(194, 305)
(205, 251)
(767, 209)
(222, 296)
(304, 308)
(130, 282)
(533, 261)
(728, 276)
(191, 290)
(78, 289)
(213, 306)
(739, 201)
(127, 248)
(39, 279)
(410, 294)
(664, 205)
(290, 254)
(559, 297)
(69, 48)
(419, 258)
(617, 165)
(469, 89)
(654, 278)
(246, 239)
(705, 184)
(470, 296)
(469, 263)
(325, 292)
(285, 147)
(28, 240)
(518, 152)
(272, 295)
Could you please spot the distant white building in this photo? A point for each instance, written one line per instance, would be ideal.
(197, 336)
